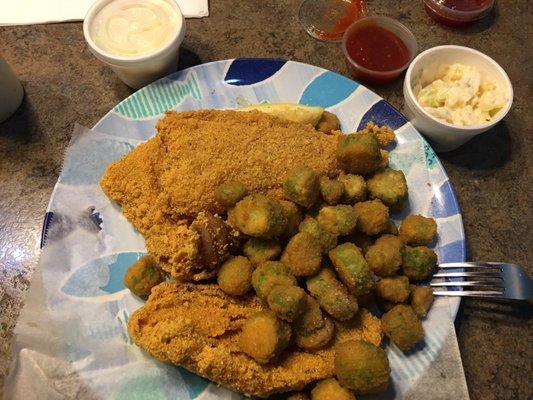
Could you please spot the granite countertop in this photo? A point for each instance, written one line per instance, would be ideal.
(492, 174)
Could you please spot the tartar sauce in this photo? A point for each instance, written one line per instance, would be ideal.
(132, 28)
(459, 96)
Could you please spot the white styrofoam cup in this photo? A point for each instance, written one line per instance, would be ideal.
(139, 71)
(442, 135)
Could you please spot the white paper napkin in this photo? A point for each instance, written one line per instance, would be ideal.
(28, 12)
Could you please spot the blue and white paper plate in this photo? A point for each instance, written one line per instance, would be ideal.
(95, 285)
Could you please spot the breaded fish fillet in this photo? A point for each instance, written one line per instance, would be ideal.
(198, 327)
(165, 182)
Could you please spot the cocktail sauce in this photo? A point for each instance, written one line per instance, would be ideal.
(377, 49)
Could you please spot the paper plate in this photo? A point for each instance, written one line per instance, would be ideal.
(94, 286)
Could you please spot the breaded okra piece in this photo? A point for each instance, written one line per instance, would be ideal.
(421, 300)
(312, 329)
(331, 389)
(390, 186)
(302, 186)
(417, 230)
(302, 255)
(402, 326)
(259, 250)
(361, 366)
(394, 288)
(288, 302)
(418, 262)
(339, 220)
(235, 276)
(269, 274)
(359, 153)
(230, 193)
(332, 296)
(331, 190)
(384, 257)
(264, 336)
(142, 276)
(326, 239)
(352, 268)
(259, 216)
(354, 188)
(372, 217)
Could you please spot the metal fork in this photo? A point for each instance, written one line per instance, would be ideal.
(493, 280)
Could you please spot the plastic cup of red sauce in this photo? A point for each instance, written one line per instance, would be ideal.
(458, 12)
(378, 49)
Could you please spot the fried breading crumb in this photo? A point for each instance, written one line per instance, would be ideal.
(384, 134)
(197, 326)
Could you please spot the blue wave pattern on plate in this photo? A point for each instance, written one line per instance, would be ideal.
(220, 83)
(328, 89)
(444, 203)
(249, 71)
(100, 277)
(382, 113)
(155, 99)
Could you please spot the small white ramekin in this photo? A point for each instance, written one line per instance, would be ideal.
(137, 72)
(442, 135)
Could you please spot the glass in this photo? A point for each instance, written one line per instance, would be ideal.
(328, 19)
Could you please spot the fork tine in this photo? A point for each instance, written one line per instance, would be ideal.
(468, 293)
(476, 274)
(467, 283)
(494, 265)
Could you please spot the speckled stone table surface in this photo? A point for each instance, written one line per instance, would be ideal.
(492, 174)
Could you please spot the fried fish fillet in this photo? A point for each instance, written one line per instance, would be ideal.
(165, 182)
(198, 327)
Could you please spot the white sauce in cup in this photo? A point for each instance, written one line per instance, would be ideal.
(131, 28)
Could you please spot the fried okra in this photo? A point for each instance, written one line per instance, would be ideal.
(418, 262)
(326, 239)
(421, 300)
(331, 389)
(358, 153)
(298, 396)
(331, 190)
(235, 276)
(264, 336)
(230, 193)
(142, 276)
(354, 188)
(402, 326)
(339, 220)
(259, 216)
(288, 302)
(269, 274)
(312, 329)
(372, 217)
(394, 288)
(361, 366)
(352, 268)
(390, 187)
(259, 250)
(332, 296)
(328, 123)
(302, 255)
(384, 257)
(417, 230)
(292, 215)
(302, 186)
